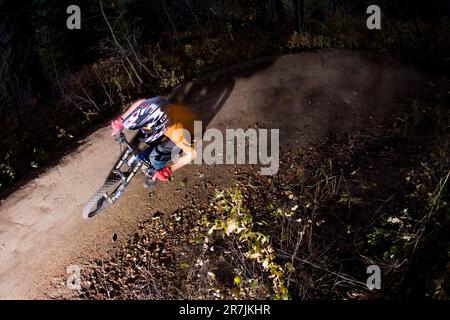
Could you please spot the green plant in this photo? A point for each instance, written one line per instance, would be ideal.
(8, 170)
(235, 220)
(169, 79)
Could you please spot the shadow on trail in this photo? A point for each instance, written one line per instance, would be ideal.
(306, 96)
(207, 95)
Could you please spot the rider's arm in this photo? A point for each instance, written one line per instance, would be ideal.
(117, 124)
(175, 133)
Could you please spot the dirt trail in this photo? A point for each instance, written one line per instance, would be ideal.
(305, 95)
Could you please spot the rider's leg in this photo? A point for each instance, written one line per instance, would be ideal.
(160, 156)
(144, 154)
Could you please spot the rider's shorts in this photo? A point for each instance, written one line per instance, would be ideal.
(160, 153)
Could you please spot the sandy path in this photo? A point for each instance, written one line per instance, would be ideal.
(306, 96)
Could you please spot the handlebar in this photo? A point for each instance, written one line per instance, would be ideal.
(121, 138)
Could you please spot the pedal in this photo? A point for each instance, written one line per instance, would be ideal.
(149, 172)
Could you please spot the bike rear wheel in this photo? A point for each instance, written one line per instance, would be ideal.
(101, 200)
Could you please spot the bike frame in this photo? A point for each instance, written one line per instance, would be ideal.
(126, 155)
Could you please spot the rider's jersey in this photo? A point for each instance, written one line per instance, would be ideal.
(181, 121)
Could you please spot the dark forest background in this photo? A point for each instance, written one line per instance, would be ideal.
(57, 84)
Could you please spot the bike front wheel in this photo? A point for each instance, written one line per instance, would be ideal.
(103, 197)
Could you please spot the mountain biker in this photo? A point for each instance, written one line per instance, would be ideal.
(162, 124)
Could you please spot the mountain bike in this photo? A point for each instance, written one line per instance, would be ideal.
(125, 169)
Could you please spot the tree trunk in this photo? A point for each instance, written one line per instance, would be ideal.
(299, 6)
(26, 44)
(279, 8)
